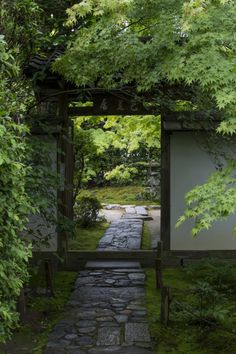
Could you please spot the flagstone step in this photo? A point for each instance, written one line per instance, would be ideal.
(141, 210)
(111, 264)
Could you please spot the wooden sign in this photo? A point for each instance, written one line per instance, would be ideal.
(110, 104)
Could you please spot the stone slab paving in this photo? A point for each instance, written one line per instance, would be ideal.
(122, 235)
(106, 311)
(130, 210)
(112, 264)
(141, 210)
(105, 314)
(136, 211)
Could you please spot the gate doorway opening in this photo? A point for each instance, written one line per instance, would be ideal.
(59, 102)
(117, 165)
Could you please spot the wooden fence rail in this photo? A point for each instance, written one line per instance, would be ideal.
(76, 259)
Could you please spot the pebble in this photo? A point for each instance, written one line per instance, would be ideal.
(121, 318)
(86, 323)
(71, 336)
(87, 330)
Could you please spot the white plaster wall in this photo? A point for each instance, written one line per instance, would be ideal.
(191, 165)
(37, 222)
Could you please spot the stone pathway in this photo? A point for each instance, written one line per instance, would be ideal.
(106, 311)
(123, 234)
(105, 314)
(126, 232)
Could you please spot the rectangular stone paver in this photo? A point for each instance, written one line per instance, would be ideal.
(136, 332)
(141, 210)
(108, 336)
(134, 243)
(130, 210)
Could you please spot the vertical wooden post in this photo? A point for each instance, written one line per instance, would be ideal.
(66, 160)
(165, 305)
(49, 277)
(159, 280)
(21, 306)
(165, 185)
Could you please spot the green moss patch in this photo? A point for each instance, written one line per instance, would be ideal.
(42, 315)
(146, 237)
(181, 337)
(119, 195)
(88, 238)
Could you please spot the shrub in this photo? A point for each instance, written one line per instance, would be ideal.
(218, 273)
(206, 309)
(86, 210)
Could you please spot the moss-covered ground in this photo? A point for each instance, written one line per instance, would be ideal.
(146, 237)
(120, 195)
(42, 314)
(87, 238)
(182, 337)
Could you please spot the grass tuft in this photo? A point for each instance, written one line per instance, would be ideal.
(88, 238)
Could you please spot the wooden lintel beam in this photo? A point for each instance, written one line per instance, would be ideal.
(96, 111)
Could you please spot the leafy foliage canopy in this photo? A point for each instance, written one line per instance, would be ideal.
(189, 45)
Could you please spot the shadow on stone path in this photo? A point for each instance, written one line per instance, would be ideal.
(106, 311)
